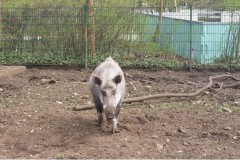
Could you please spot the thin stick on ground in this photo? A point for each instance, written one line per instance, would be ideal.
(208, 86)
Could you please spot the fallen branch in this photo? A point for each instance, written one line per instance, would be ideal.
(140, 99)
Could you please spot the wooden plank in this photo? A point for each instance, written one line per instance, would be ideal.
(11, 70)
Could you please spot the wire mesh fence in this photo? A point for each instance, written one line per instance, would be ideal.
(134, 36)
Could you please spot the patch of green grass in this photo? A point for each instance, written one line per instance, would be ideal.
(237, 109)
(220, 109)
(60, 155)
(27, 58)
(225, 107)
(9, 103)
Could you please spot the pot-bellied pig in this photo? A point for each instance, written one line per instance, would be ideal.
(107, 85)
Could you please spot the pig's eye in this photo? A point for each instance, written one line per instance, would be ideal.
(104, 93)
(113, 92)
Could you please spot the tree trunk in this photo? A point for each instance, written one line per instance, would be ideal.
(228, 39)
(90, 29)
(175, 5)
(1, 25)
(238, 44)
(157, 32)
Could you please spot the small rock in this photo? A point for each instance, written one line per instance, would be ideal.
(2, 126)
(205, 133)
(85, 80)
(45, 81)
(125, 142)
(1, 90)
(206, 92)
(191, 83)
(225, 109)
(152, 106)
(168, 133)
(181, 81)
(238, 132)
(185, 144)
(155, 136)
(59, 102)
(235, 102)
(133, 86)
(85, 97)
(124, 145)
(52, 80)
(159, 146)
(127, 74)
(182, 130)
(227, 128)
(199, 101)
(35, 156)
(235, 137)
(148, 87)
(142, 120)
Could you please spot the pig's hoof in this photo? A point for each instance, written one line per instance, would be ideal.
(99, 124)
(115, 130)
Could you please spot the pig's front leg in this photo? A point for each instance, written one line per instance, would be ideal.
(114, 125)
(100, 119)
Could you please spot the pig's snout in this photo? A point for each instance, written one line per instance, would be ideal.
(110, 116)
(110, 113)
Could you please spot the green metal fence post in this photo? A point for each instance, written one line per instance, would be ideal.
(190, 38)
(86, 34)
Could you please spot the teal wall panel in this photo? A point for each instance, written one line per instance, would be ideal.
(209, 39)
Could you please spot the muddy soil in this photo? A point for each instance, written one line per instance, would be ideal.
(37, 121)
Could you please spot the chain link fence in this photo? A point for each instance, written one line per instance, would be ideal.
(135, 37)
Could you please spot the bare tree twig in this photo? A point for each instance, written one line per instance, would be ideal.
(140, 99)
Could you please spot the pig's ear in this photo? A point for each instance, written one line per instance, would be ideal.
(97, 80)
(117, 79)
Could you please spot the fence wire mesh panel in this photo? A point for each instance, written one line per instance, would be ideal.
(134, 36)
(41, 36)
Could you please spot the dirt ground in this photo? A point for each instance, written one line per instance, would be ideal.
(37, 121)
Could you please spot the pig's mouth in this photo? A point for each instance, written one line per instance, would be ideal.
(110, 120)
(110, 113)
(110, 117)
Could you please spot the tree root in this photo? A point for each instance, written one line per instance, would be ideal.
(214, 86)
